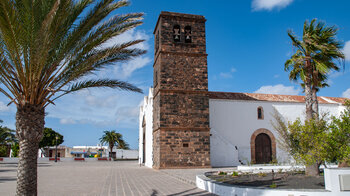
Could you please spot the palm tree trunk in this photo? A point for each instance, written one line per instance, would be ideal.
(111, 152)
(30, 121)
(314, 103)
(311, 170)
(308, 90)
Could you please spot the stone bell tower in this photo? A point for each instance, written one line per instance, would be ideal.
(181, 134)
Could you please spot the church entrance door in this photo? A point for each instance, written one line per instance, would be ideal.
(144, 145)
(263, 152)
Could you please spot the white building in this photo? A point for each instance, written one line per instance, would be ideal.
(236, 119)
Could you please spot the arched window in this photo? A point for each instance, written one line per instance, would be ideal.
(260, 113)
(188, 34)
(176, 33)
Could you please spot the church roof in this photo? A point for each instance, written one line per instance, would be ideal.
(273, 97)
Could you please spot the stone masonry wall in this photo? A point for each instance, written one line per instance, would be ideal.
(181, 131)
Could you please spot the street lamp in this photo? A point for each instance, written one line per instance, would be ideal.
(56, 149)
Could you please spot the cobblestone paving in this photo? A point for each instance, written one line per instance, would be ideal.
(99, 178)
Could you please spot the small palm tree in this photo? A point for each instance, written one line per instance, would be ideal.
(123, 145)
(312, 62)
(48, 48)
(7, 136)
(112, 138)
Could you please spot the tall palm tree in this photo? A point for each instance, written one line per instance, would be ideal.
(47, 50)
(312, 62)
(112, 138)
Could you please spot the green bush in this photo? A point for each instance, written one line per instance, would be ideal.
(3, 151)
(339, 138)
(234, 174)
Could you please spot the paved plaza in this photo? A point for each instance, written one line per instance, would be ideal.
(103, 178)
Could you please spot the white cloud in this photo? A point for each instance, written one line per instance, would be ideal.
(278, 89)
(129, 36)
(346, 50)
(98, 107)
(124, 70)
(228, 74)
(346, 93)
(101, 101)
(270, 4)
(127, 114)
(66, 121)
(3, 107)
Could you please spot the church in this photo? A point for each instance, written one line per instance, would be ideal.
(183, 125)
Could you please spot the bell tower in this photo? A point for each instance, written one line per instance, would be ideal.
(181, 133)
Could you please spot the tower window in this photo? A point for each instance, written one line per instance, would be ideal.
(260, 113)
(188, 34)
(176, 33)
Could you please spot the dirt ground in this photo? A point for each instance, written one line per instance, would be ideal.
(269, 180)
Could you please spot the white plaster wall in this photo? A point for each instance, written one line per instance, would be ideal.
(146, 110)
(232, 123)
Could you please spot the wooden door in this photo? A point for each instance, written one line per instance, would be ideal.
(144, 145)
(263, 152)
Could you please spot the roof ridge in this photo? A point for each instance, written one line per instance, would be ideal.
(272, 97)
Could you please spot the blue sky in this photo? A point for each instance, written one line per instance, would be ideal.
(247, 45)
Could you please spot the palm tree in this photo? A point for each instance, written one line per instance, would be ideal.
(312, 62)
(47, 50)
(123, 145)
(7, 136)
(112, 138)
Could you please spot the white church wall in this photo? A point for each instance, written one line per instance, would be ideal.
(236, 121)
(146, 112)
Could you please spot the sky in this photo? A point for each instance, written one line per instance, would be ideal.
(247, 46)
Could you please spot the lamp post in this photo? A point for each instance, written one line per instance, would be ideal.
(56, 149)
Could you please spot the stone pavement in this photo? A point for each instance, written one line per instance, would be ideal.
(101, 178)
(189, 175)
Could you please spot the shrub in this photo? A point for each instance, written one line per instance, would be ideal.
(273, 185)
(3, 151)
(261, 174)
(234, 174)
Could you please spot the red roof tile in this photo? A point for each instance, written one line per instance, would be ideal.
(271, 97)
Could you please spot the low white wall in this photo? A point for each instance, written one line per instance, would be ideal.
(223, 189)
(332, 179)
(331, 175)
(269, 168)
(127, 154)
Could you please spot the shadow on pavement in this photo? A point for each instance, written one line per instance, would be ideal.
(203, 193)
(6, 179)
(8, 170)
(154, 192)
